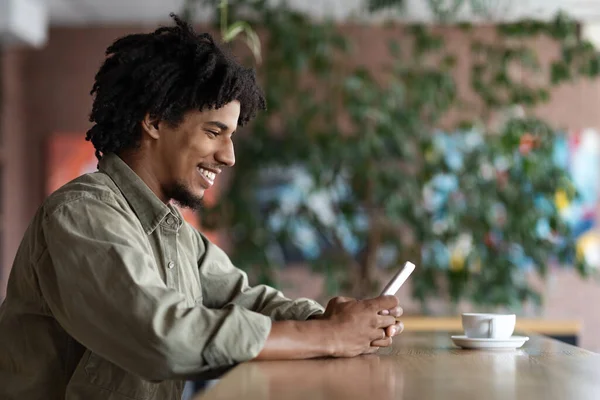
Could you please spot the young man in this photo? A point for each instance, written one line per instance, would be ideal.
(112, 295)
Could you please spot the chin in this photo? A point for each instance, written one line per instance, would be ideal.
(186, 196)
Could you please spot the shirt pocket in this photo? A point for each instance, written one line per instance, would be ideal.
(106, 375)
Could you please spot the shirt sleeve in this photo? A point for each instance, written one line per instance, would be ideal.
(103, 286)
(224, 285)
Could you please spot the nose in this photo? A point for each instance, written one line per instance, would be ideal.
(226, 154)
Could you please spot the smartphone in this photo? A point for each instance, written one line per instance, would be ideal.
(398, 280)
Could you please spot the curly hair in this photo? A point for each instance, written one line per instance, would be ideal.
(165, 74)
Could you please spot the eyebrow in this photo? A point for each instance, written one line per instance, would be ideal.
(219, 125)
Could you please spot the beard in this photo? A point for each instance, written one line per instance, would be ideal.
(183, 196)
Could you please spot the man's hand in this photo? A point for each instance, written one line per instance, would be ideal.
(347, 328)
(362, 326)
(398, 327)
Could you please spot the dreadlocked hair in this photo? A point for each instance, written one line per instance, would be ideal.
(165, 74)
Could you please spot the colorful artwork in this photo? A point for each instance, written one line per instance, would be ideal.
(579, 153)
(70, 156)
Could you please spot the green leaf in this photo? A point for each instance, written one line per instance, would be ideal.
(449, 61)
(559, 73)
(253, 42)
(465, 26)
(543, 95)
(445, 10)
(251, 38)
(234, 30)
(379, 5)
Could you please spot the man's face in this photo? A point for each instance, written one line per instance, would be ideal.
(190, 156)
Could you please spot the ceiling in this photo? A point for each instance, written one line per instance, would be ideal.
(76, 12)
(79, 12)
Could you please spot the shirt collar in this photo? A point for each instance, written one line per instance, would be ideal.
(149, 209)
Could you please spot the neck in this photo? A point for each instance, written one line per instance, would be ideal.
(144, 170)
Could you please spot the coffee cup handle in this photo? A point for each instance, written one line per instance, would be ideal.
(492, 328)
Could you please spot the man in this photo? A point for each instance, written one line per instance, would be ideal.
(112, 295)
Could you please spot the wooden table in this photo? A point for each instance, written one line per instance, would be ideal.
(423, 365)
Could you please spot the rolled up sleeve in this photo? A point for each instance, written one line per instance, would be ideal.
(103, 286)
(237, 337)
(224, 284)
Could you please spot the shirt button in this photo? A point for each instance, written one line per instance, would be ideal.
(171, 265)
(170, 220)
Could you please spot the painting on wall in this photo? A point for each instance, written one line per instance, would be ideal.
(575, 151)
(70, 156)
(578, 152)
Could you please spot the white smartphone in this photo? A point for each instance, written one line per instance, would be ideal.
(398, 280)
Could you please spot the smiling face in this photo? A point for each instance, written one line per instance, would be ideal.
(183, 161)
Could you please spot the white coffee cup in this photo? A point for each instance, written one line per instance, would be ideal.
(492, 326)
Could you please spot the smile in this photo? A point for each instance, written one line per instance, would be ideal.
(208, 176)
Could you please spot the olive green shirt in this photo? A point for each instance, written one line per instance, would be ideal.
(112, 295)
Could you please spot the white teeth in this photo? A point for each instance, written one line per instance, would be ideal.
(209, 175)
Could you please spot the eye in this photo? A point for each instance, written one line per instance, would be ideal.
(212, 134)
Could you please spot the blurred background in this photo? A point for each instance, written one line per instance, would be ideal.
(459, 134)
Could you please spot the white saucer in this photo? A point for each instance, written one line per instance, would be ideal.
(514, 342)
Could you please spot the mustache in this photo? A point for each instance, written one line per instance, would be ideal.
(212, 166)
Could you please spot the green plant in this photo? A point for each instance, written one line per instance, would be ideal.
(363, 142)
(230, 32)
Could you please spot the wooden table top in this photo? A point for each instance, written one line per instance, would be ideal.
(423, 365)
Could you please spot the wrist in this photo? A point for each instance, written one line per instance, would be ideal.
(299, 340)
(324, 335)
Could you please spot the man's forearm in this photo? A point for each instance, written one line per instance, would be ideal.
(290, 340)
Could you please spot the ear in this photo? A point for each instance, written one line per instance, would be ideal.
(151, 126)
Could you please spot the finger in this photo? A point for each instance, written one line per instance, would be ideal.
(399, 328)
(377, 334)
(382, 303)
(396, 311)
(382, 342)
(371, 350)
(390, 331)
(395, 329)
(383, 321)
